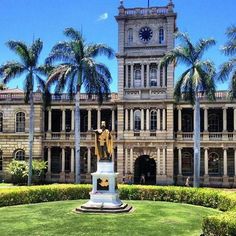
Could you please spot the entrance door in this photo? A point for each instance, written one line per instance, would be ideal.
(145, 170)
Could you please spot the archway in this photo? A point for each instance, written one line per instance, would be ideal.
(145, 166)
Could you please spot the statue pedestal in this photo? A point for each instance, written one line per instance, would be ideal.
(104, 197)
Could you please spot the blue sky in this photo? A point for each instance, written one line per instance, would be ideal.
(28, 19)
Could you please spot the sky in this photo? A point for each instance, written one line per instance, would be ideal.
(26, 20)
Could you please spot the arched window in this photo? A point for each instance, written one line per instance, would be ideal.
(137, 78)
(153, 121)
(187, 122)
(187, 163)
(1, 121)
(20, 155)
(213, 123)
(1, 161)
(130, 36)
(137, 120)
(153, 77)
(161, 36)
(20, 122)
(214, 164)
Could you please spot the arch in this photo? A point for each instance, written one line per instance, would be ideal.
(1, 121)
(187, 123)
(153, 120)
(214, 165)
(153, 77)
(20, 122)
(137, 78)
(213, 123)
(19, 155)
(161, 35)
(1, 161)
(130, 36)
(146, 167)
(137, 120)
(187, 163)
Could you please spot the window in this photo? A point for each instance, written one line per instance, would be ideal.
(187, 123)
(137, 78)
(130, 36)
(153, 77)
(187, 163)
(1, 161)
(214, 123)
(161, 36)
(214, 163)
(20, 155)
(1, 121)
(20, 122)
(137, 120)
(153, 120)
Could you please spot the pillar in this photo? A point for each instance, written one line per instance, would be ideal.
(164, 160)
(205, 119)
(158, 119)
(164, 119)
(126, 160)
(142, 75)
(234, 185)
(131, 160)
(158, 162)
(72, 120)
(89, 160)
(63, 120)
(225, 163)
(179, 119)
(49, 120)
(72, 160)
(126, 118)
(132, 76)
(224, 119)
(147, 119)
(131, 119)
(126, 75)
(49, 160)
(206, 161)
(113, 120)
(234, 119)
(98, 118)
(148, 75)
(180, 161)
(63, 160)
(142, 119)
(89, 119)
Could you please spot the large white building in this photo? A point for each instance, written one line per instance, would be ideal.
(153, 135)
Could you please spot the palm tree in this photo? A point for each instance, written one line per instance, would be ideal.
(196, 80)
(228, 69)
(28, 67)
(77, 67)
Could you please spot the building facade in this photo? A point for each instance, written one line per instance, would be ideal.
(153, 135)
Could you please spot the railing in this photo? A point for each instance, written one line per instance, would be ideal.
(187, 136)
(146, 11)
(215, 136)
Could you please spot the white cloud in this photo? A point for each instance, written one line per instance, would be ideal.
(104, 16)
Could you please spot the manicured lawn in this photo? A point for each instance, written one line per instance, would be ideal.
(3, 185)
(148, 218)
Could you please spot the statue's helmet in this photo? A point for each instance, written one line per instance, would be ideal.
(103, 124)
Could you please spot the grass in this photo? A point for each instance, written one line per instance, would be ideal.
(148, 218)
(4, 185)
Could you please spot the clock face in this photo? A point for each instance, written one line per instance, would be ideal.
(145, 34)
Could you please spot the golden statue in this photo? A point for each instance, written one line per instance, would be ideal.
(103, 143)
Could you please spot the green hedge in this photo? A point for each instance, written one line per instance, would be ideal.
(222, 225)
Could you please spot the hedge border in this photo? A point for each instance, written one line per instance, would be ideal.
(220, 225)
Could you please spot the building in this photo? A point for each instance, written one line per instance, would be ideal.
(153, 135)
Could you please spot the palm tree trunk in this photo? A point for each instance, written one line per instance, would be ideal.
(197, 150)
(77, 137)
(31, 136)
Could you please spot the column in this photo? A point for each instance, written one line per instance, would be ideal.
(63, 160)
(148, 75)
(224, 119)
(164, 76)
(142, 75)
(142, 119)
(234, 162)
(72, 160)
(205, 119)
(126, 119)
(158, 161)
(49, 160)
(98, 118)
(164, 160)
(132, 76)
(72, 120)
(126, 160)
(131, 161)
(234, 119)
(147, 119)
(49, 120)
(131, 119)
(206, 161)
(63, 120)
(179, 119)
(113, 119)
(180, 160)
(89, 160)
(158, 119)
(126, 75)
(225, 162)
(89, 119)
(164, 119)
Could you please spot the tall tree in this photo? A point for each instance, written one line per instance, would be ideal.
(195, 81)
(77, 66)
(28, 68)
(228, 69)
